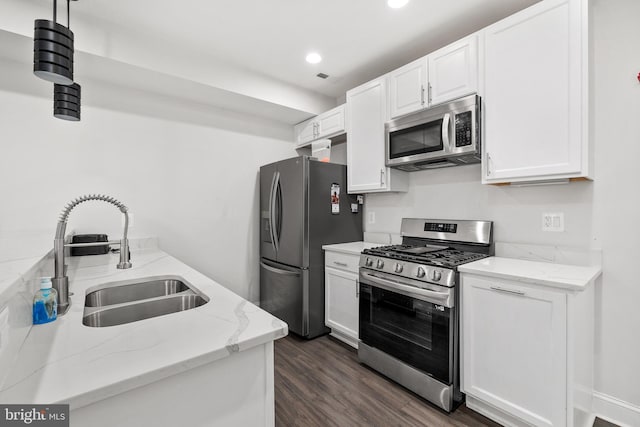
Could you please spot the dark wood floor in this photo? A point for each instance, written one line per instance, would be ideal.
(320, 383)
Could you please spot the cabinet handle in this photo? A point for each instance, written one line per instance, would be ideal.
(315, 130)
(357, 288)
(430, 90)
(382, 177)
(509, 291)
(422, 94)
(341, 264)
(488, 164)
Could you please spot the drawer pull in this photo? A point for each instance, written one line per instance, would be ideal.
(509, 291)
(341, 264)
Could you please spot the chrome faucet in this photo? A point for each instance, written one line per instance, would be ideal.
(60, 280)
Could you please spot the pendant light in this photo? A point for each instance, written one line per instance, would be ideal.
(66, 102)
(53, 49)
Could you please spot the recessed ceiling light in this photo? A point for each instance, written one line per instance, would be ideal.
(313, 58)
(396, 4)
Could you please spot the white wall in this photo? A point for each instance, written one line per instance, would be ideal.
(193, 183)
(616, 208)
(517, 212)
(601, 214)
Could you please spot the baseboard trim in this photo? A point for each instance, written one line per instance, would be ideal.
(617, 411)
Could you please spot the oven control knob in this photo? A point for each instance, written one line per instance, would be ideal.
(436, 275)
(421, 272)
(398, 268)
(368, 262)
(380, 263)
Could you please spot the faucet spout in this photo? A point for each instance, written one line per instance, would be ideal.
(124, 245)
(60, 280)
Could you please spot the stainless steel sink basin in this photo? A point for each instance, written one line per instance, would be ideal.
(134, 300)
(127, 313)
(135, 291)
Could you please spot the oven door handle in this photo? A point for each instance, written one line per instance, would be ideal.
(439, 298)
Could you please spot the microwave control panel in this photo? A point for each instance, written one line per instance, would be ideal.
(464, 129)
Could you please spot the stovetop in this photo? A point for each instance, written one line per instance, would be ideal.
(441, 256)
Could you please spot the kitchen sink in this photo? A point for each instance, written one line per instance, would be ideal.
(134, 291)
(130, 301)
(128, 313)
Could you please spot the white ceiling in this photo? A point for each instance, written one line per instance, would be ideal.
(358, 39)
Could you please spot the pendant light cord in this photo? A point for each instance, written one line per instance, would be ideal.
(55, 12)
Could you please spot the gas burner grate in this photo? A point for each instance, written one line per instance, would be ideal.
(445, 257)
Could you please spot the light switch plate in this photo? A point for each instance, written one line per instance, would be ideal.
(553, 221)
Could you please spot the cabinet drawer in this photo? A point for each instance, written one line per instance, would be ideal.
(342, 261)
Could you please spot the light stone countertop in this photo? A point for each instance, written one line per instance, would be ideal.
(563, 276)
(352, 248)
(67, 362)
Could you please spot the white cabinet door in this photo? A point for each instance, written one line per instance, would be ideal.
(366, 168)
(407, 86)
(305, 132)
(535, 104)
(331, 123)
(341, 302)
(453, 71)
(514, 348)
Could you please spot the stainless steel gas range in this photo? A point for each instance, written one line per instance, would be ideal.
(409, 302)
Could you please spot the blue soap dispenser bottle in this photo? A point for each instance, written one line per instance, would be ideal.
(45, 303)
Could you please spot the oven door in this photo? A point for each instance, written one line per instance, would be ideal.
(414, 325)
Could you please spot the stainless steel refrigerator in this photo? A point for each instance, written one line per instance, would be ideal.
(303, 205)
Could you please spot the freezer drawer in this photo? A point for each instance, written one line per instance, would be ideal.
(282, 293)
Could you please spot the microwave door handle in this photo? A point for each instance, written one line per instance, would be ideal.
(445, 131)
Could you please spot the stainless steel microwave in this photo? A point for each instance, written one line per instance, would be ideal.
(440, 136)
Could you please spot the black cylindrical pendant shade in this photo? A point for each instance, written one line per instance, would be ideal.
(66, 102)
(53, 52)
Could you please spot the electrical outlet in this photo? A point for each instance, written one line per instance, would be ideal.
(553, 221)
(371, 217)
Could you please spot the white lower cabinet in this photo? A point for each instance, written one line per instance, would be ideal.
(519, 351)
(341, 289)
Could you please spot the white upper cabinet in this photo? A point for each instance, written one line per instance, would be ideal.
(453, 71)
(366, 169)
(535, 101)
(305, 132)
(444, 75)
(407, 87)
(332, 122)
(325, 125)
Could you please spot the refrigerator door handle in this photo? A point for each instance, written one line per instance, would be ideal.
(278, 270)
(277, 217)
(272, 203)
